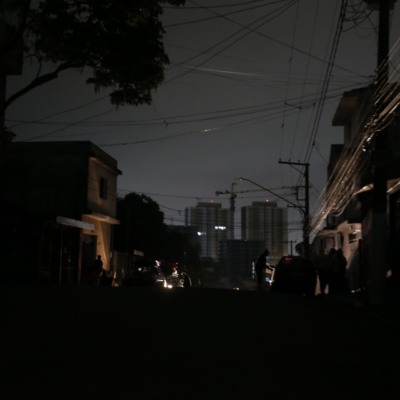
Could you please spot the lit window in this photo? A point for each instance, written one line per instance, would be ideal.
(103, 188)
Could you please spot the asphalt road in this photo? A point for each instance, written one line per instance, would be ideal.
(141, 343)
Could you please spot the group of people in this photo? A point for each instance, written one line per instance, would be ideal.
(332, 272)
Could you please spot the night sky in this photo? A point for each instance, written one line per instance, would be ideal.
(250, 83)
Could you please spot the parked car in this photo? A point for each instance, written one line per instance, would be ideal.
(294, 274)
(178, 280)
(174, 280)
(145, 273)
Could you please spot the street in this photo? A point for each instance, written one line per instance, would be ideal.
(194, 343)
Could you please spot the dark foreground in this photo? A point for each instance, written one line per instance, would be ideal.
(138, 343)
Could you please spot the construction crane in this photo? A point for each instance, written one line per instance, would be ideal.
(232, 208)
(233, 195)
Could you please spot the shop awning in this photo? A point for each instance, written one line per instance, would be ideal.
(392, 186)
(102, 218)
(75, 223)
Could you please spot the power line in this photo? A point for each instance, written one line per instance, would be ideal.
(282, 44)
(246, 28)
(327, 80)
(220, 15)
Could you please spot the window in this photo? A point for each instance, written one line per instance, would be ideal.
(103, 188)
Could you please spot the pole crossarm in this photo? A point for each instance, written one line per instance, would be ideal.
(306, 210)
(274, 194)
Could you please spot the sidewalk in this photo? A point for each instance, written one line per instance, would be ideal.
(117, 343)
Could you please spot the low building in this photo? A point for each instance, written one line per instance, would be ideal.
(58, 208)
(349, 200)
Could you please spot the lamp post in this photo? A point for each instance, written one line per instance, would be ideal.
(306, 235)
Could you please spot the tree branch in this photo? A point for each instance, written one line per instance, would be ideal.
(38, 81)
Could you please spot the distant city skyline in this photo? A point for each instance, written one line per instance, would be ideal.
(212, 223)
(263, 222)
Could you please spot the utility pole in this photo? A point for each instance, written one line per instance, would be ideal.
(380, 162)
(306, 222)
(231, 210)
(290, 204)
(291, 246)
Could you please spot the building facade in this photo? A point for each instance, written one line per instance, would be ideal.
(212, 225)
(266, 222)
(58, 208)
(349, 195)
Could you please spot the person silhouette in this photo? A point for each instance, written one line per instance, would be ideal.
(322, 263)
(98, 264)
(338, 278)
(260, 268)
(99, 271)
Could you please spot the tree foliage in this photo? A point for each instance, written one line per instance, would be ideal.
(179, 247)
(142, 228)
(119, 41)
(141, 225)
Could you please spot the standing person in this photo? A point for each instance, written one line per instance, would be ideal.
(330, 269)
(98, 269)
(260, 268)
(322, 264)
(339, 281)
(187, 282)
(98, 265)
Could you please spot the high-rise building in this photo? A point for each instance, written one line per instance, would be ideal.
(265, 221)
(212, 225)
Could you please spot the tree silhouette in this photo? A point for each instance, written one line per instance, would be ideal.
(141, 225)
(142, 228)
(119, 41)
